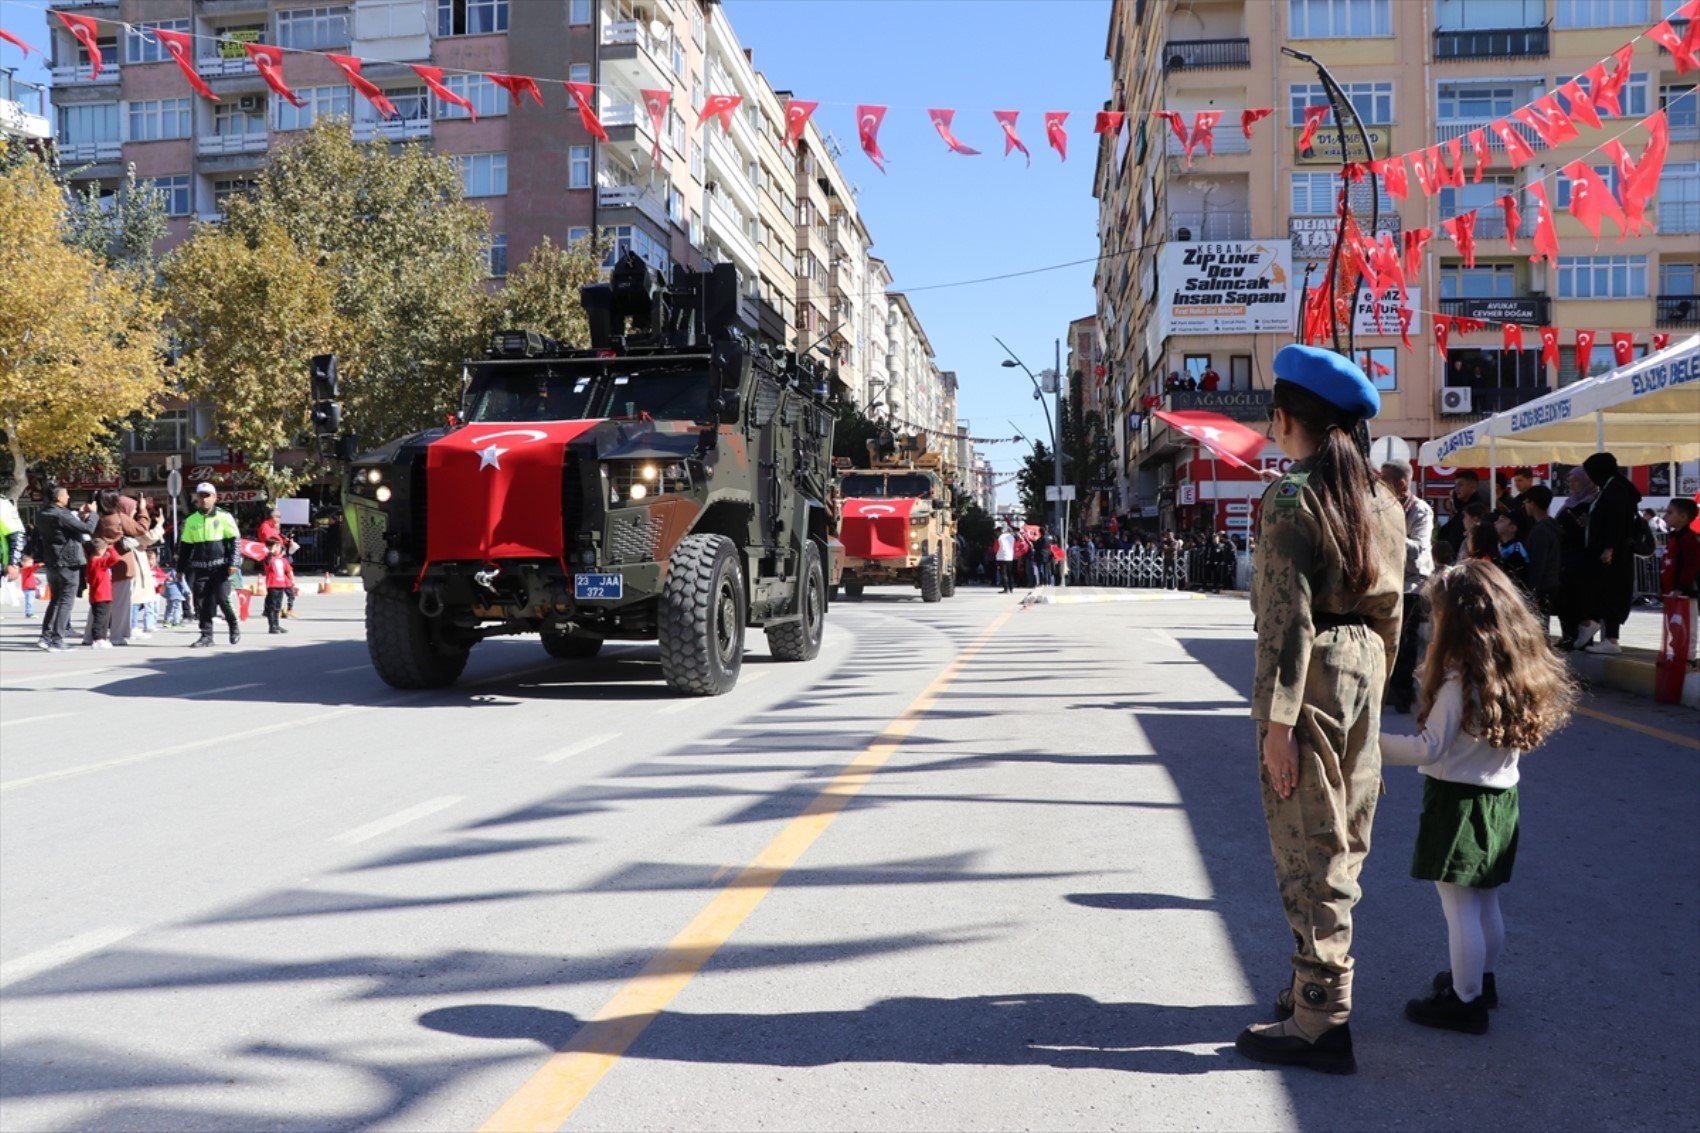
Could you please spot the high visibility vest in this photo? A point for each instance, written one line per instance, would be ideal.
(203, 528)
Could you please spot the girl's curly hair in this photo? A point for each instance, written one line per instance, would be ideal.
(1517, 691)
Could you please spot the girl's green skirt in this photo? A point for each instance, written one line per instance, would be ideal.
(1467, 835)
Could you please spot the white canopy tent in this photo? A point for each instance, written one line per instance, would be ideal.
(1645, 413)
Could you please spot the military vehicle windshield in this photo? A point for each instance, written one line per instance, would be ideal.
(573, 391)
(897, 486)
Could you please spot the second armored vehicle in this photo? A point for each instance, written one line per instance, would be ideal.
(895, 521)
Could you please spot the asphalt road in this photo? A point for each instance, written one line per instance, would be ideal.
(977, 867)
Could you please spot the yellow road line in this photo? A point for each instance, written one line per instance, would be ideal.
(550, 1095)
(1637, 726)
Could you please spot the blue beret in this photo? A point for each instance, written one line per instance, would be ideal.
(1333, 377)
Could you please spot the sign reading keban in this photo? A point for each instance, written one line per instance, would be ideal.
(1226, 287)
(1372, 318)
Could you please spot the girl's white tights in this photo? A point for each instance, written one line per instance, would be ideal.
(1475, 932)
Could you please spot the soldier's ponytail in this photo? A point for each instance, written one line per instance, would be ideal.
(1341, 477)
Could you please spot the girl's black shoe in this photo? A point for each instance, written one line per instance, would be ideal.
(1489, 997)
(1445, 1011)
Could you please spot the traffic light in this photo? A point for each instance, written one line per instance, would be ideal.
(326, 387)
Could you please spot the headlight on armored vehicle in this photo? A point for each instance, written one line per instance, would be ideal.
(382, 494)
(633, 480)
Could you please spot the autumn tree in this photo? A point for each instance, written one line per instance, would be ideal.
(542, 294)
(80, 341)
(405, 261)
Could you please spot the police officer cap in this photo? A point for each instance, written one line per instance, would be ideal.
(204, 488)
(1333, 377)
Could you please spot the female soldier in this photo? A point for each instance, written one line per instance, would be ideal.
(1326, 589)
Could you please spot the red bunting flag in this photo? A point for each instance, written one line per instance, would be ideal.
(268, 60)
(868, 120)
(1660, 341)
(1011, 140)
(1455, 158)
(1373, 368)
(1462, 230)
(1606, 90)
(1684, 49)
(1581, 106)
(433, 78)
(1442, 327)
(1253, 115)
(180, 46)
(1415, 238)
(16, 42)
(941, 122)
(1463, 324)
(720, 106)
(516, 85)
(1425, 171)
(657, 103)
(1513, 218)
(1312, 120)
(1203, 133)
(86, 32)
(349, 65)
(1590, 199)
(1108, 122)
(1177, 124)
(1479, 148)
(1622, 347)
(1511, 337)
(1643, 181)
(1391, 170)
(1406, 315)
(1634, 208)
(797, 115)
(1516, 147)
(1056, 132)
(1546, 235)
(1546, 119)
(1584, 351)
(1549, 347)
(581, 94)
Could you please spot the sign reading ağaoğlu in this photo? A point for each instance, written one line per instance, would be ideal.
(1225, 287)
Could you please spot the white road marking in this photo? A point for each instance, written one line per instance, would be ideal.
(678, 706)
(34, 719)
(396, 821)
(1164, 637)
(72, 673)
(226, 688)
(347, 669)
(34, 963)
(579, 748)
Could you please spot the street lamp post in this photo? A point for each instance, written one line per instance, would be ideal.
(1061, 512)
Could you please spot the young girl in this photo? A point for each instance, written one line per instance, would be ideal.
(1487, 641)
(102, 558)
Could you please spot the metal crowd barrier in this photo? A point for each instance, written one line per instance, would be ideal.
(1147, 568)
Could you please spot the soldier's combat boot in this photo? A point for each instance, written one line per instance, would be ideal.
(1314, 1035)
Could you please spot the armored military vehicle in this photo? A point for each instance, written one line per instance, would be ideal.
(666, 483)
(895, 520)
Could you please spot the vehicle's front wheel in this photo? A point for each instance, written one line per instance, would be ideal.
(800, 640)
(404, 650)
(930, 591)
(571, 646)
(701, 617)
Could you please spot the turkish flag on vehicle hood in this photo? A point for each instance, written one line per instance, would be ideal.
(493, 491)
(1223, 436)
(875, 529)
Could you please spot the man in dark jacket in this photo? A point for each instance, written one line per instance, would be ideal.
(1464, 493)
(207, 558)
(60, 533)
(1574, 576)
(1610, 560)
(1543, 542)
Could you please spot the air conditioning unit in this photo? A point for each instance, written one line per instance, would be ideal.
(1455, 400)
(141, 474)
(251, 103)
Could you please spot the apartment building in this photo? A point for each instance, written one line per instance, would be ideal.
(23, 109)
(1418, 72)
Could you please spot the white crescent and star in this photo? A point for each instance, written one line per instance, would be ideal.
(490, 455)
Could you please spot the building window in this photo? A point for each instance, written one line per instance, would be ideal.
(1338, 19)
(228, 187)
(1194, 365)
(488, 99)
(155, 119)
(698, 169)
(1679, 198)
(1602, 277)
(174, 193)
(313, 29)
(675, 205)
(678, 52)
(499, 255)
(676, 130)
(578, 167)
(88, 122)
(1484, 281)
(1372, 101)
(1603, 13)
(231, 120)
(412, 104)
(623, 238)
(1474, 103)
(484, 174)
(1635, 94)
(575, 234)
(578, 12)
(1600, 361)
(169, 432)
(1318, 194)
(471, 17)
(316, 103)
(1382, 366)
(141, 46)
(578, 73)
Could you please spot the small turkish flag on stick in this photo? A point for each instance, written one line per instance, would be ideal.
(797, 113)
(1222, 435)
(86, 32)
(868, 120)
(1055, 133)
(433, 78)
(1660, 342)
(582, 93)
(268, 60)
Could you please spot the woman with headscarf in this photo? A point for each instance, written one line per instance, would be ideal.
(1608, 556)
(118, 523)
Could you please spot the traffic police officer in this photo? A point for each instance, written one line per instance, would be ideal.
(1327, 581)
(207, 559)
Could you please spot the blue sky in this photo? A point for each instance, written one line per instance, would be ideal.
(937, 217)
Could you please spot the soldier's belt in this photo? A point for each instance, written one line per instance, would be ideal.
(1336, 621)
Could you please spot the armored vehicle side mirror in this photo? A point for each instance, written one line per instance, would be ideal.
(728, 405)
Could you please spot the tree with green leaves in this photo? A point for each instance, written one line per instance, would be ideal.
(542, 294)
(852, 431)
(1031, 480)
(122, 230)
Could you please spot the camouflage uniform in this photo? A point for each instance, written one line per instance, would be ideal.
(1322, 660)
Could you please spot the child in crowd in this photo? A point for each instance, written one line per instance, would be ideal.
(280, 579)
(1513, 558)
(30, 578)
(103, 556)
(175, 592)
(1680, 576)
(1490, 691)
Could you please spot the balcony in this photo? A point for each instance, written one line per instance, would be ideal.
(628, 124)
(1678, 311)
(393, 129)
(90, 151)
(23, 108)
(1459, 127)
(215, 144)
(1678, 217)
(724, 229)
(1217, 224)
(1229, 139)
(213, 66)
(1490, 222)
(1487, 400)
(83, 73)
(1685, 130)
(647, 204)
(1492, 43)
(631, 54)
(1206, 54)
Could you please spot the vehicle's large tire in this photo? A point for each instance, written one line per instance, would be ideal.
(571, 646)
(800, 640)
(853, 590)
(401, 645)
(701, 617)
(930, 591)
(947, 581)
